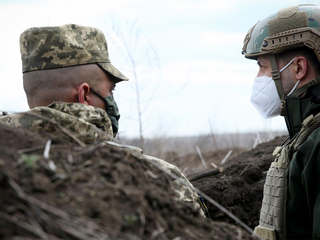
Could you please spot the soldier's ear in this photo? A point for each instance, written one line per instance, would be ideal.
(83, 91)
(301, 67)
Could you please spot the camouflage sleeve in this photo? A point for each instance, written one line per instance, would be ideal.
(184, 189)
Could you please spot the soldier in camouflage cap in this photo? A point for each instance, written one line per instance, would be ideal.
(68, 80)
(289, 40)
(69, 63)
(64, 46)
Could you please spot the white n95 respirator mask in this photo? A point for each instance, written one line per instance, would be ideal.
(265, 97)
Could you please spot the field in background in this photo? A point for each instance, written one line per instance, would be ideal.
(182, 146)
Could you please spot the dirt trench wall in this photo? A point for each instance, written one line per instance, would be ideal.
(239, 187)
(92, 192)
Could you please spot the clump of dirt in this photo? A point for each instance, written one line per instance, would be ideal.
(238, 186)
(64, 191)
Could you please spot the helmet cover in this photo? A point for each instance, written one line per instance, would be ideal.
(289, 28)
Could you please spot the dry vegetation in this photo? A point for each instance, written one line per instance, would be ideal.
(182, 151)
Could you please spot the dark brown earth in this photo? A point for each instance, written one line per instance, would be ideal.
(238, 186)
(102, 192)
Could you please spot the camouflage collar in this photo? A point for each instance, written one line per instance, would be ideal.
(85, 123)
(87, 113)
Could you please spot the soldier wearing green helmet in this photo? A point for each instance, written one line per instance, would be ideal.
(286, 46)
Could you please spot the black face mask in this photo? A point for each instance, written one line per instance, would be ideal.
(112, 111)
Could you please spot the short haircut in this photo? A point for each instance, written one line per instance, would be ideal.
(306, 52)
(55, 84)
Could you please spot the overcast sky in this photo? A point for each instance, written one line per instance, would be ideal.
(190, 70)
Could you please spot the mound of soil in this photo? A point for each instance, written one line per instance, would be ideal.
(238, 186)
(64, 191)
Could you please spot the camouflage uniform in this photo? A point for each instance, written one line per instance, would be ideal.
(71, 45)
(87, 124)
(80, 121)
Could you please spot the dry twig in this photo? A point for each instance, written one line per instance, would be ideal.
(226, 157)
(142, 222)
(202, 159)
(47, 149)
(245, 169)
(203, 174)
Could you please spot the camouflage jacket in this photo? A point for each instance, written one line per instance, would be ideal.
(72, 121)
(87, 124)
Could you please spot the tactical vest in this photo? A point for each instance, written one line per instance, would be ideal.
(273, 215)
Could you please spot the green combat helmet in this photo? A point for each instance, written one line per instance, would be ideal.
(292, 27)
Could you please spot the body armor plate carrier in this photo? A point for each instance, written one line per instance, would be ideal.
(272, 224)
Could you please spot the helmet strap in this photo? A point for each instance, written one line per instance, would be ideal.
(276, 77)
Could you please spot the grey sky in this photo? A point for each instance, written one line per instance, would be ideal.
(201, 74)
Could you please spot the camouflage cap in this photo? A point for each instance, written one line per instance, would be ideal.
(64, 46)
